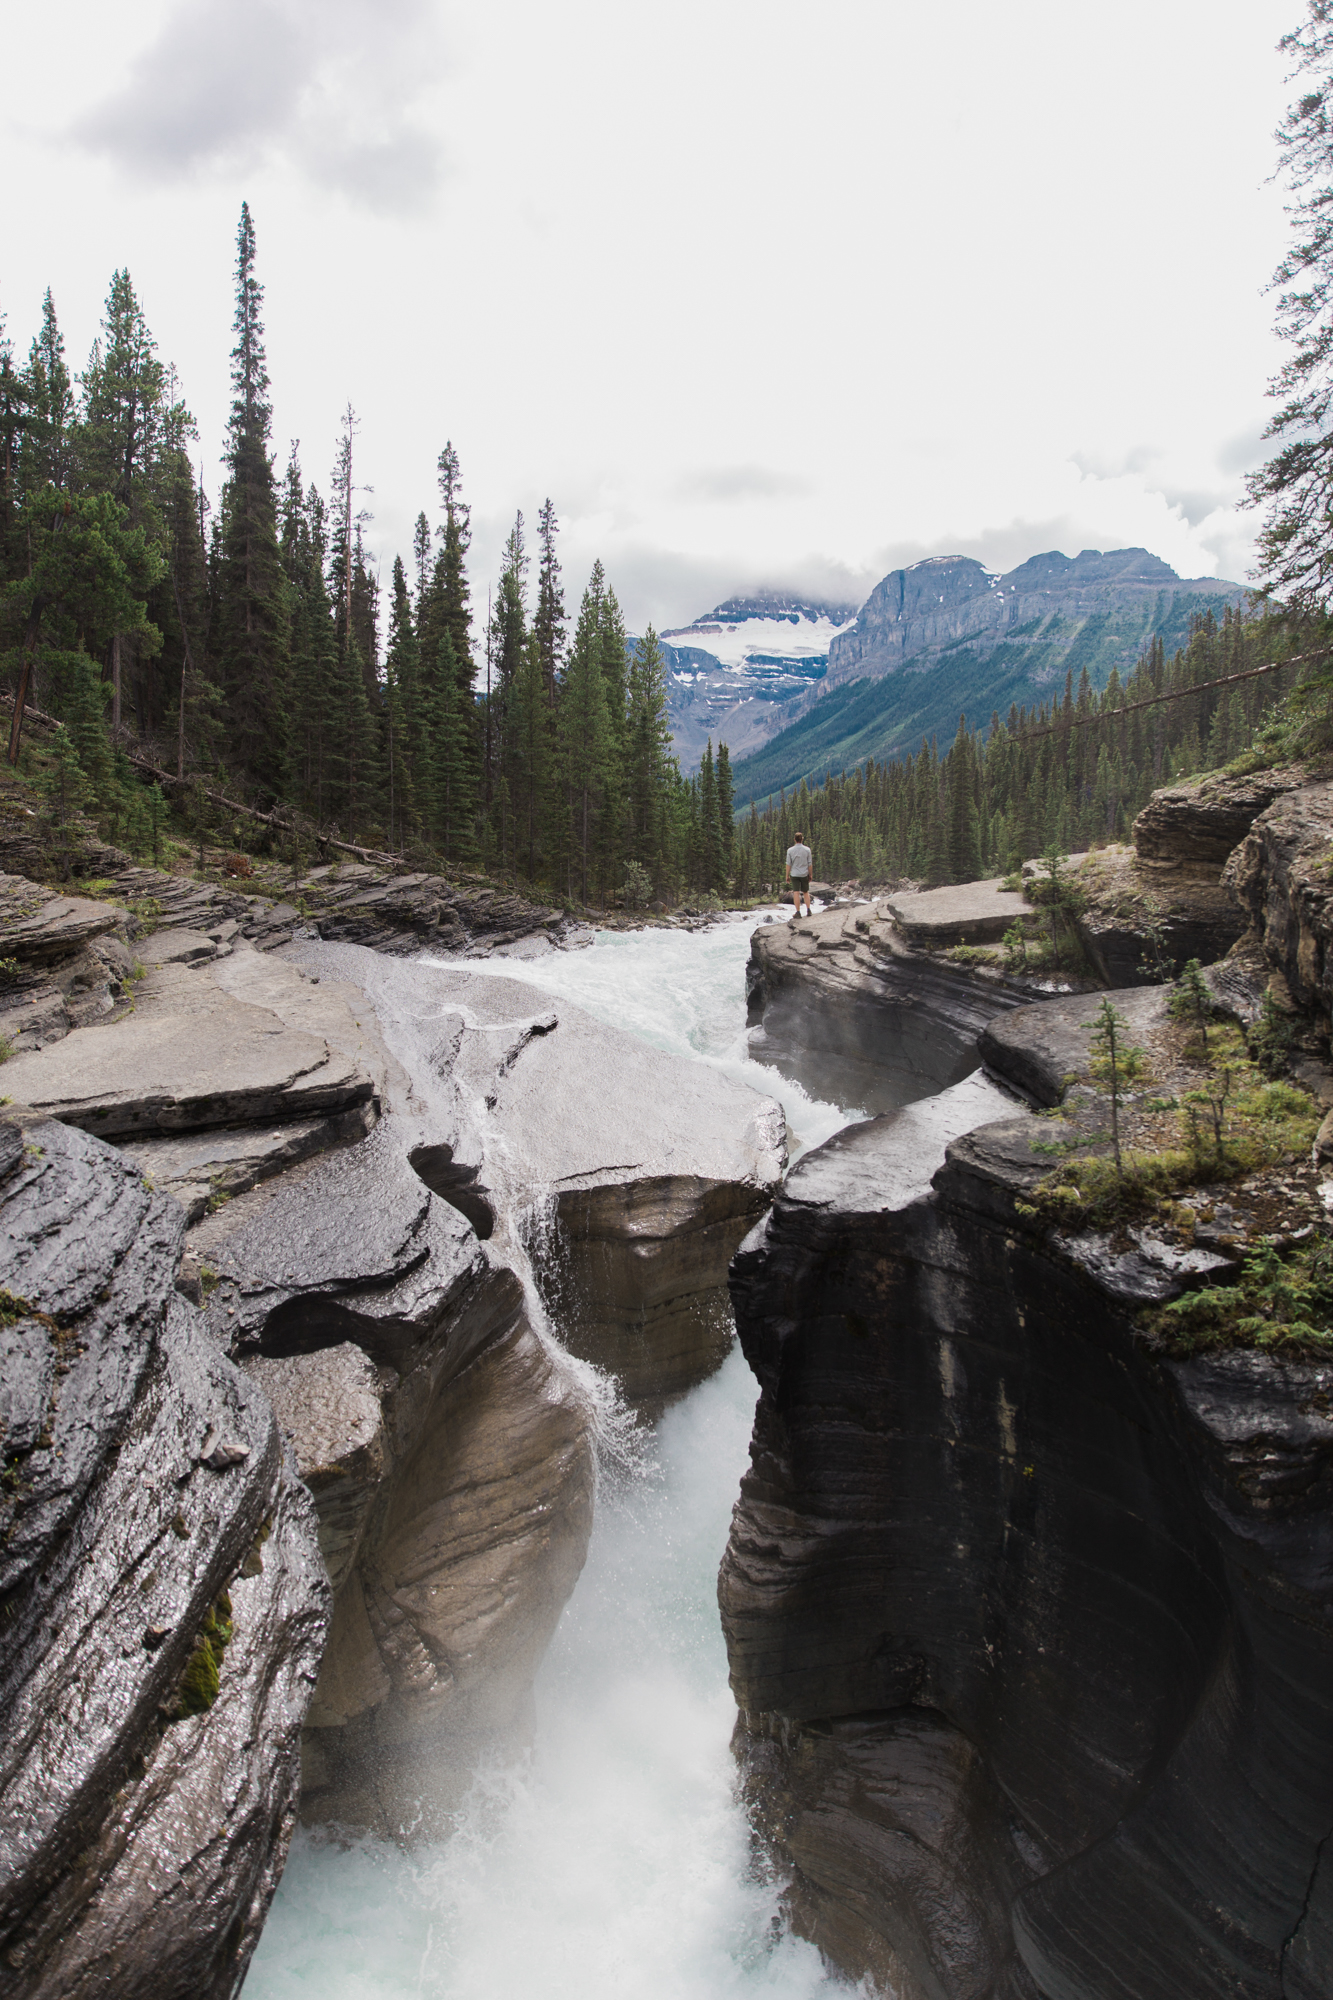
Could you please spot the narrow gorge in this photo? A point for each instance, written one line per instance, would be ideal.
(369, 1463)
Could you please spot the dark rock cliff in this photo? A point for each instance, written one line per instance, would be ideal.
(162, 1600)
(1031, 1630)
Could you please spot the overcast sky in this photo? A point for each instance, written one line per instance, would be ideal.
(760, 294)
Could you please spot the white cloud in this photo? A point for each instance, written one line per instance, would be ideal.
(320, 85)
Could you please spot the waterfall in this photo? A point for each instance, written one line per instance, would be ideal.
(613, 1860)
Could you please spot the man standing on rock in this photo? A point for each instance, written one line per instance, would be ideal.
(799, 861)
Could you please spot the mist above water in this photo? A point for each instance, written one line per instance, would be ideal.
(613, 1861)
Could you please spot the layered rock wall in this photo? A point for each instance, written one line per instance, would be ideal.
(164, 1603)
(1030, 1630)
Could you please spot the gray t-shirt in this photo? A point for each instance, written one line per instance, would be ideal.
(799, 858)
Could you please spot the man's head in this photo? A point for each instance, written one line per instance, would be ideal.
(801, 838)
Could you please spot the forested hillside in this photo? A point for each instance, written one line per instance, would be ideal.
(254, 646)
(888, 716)
(1066, 775)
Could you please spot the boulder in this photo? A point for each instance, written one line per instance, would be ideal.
(164, 1600)
(969, 913)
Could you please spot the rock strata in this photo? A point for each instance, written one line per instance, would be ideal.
(1280, 877)
(1149, 909)
(164, 1601)
(1030, 1628)
(858, 1015)
(629, 1198)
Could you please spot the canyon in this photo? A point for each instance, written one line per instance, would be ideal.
(1028, 1621)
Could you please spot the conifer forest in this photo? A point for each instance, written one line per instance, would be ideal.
(254, 651)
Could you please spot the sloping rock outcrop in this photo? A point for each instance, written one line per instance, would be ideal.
(64, 961)
(446, 1440)
(448, 1452)
(846, 1005)
(1151, 908)
(627, 1176)
(225, 1067)
(164, 1603)
(1030, 1627)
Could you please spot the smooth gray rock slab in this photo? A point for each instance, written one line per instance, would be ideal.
(199, 1167)
(1037, 1049)
(176, 947)
(190, 1055)
(968, 913)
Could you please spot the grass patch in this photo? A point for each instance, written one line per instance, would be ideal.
(1281, 1299)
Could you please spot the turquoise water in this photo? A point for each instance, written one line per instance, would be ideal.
(612, 1862)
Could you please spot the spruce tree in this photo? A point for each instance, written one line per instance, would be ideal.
(726, 812)
(550, 621)
(119, 442)
(650, 761)
(253, 631)
(584, 728)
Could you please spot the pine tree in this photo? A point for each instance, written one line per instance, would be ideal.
(530, 727)
(549, 623)
(404, 716)
(726, 812)
(584, 727)
(253, 627)
(119, 444)
(650, 761)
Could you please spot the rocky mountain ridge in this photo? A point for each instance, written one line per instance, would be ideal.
(947, 636)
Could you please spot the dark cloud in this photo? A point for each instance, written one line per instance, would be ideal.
(241, 84)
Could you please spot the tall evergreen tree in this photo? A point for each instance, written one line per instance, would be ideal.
(253, 629)
(584, 730)
(550, 621)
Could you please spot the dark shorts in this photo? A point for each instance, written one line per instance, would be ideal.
(801, 884)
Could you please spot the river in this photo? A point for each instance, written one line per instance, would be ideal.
(613, 1863)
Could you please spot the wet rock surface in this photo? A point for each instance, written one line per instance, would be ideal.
(630, 1175)
(143, 1828)
(1039, 1050)
(1030, 1628)
(447, 1444)
(845, 1005)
